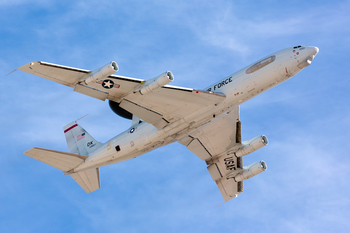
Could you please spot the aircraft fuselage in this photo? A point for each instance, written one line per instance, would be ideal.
(238, 88)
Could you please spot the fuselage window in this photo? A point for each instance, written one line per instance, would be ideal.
(261, 64)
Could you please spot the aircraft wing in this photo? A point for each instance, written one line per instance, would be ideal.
(159, 107)
(168, 104)
(70, 77)
(215, 144)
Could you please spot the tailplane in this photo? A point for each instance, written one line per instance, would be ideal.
(80, 145)
(58, 159)
(89, 180)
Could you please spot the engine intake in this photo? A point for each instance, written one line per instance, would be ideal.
(102, 73)
(157, 82)
(251, 170)
(252, 145)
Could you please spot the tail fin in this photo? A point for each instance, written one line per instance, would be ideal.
(80, 144)
(79, 141)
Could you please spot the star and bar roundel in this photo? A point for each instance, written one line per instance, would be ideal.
(108, 84)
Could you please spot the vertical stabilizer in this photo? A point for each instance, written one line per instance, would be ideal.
(79, 141)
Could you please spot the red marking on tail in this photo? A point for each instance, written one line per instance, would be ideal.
(73, 126)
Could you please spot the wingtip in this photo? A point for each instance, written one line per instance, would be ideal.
(220, 204)
(28, 152)
(11, 72)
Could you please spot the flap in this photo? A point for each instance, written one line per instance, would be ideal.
(211, 143)
(145, 114)
(89, 91)
(216, 138)
(170, 104)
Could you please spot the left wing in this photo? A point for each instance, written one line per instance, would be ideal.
(168, 104)
(159, 107)
(70, 77)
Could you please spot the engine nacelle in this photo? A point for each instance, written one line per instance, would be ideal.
(102, 73)
(158, 82)
(252, 145)
(251, 170)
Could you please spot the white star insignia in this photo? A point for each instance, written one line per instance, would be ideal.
(108, 84)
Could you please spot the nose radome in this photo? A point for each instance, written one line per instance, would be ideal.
(314, 50)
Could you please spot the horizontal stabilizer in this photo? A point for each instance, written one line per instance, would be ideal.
(89, 180)
(58, 159)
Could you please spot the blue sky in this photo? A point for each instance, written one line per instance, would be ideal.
(306, 186)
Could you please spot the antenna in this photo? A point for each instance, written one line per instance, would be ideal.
(81, 117)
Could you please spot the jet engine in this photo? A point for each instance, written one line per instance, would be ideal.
(158, 82)
(102, 73)
(252, 145)
(251, 170)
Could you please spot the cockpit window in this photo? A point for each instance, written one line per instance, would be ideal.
(261, 64)
(295, 47)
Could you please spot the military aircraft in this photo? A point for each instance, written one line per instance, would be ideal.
(206, 121)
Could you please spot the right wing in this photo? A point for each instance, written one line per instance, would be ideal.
(215, 143)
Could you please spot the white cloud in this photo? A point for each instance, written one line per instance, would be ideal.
(225, 28)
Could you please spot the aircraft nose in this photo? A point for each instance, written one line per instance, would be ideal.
(310, 53)
(313, 50)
